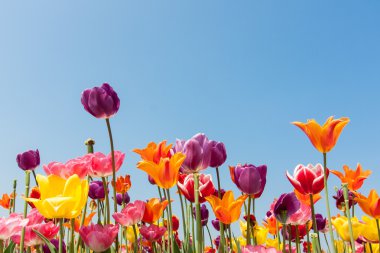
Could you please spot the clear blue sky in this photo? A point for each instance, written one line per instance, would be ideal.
(238, 71)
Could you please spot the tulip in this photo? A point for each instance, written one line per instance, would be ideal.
(175, 222)
(101, 165)
(341, 225)
(122, 198)
(11, 225)
(5, 201)
(101, 102)
(152, 233)
(258, 249)
(307, 179)
(131, 214)
(154, 209)
(286, 206)
(96, 190)
(370, 205)
(270, 224)
(339, 197)
(197, 151)
(301, 216)
(60, 198)
(98, 237)
(123, 184)
(354, 178)
(204, 215)
(35, 194)
(227, 210)
(369, 231)
(186, 185)
(28, 160)
(130, 235)
(55, 242)
(249, 178)
(216, 224)
(305, 199)
(218, 154)
(323, 137)
(321, 223)
(154, 152)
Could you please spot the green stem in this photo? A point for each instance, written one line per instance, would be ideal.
(107, 199)
(249, 221)
(198, 213)
(278, 235)
(61, 235)
(35, 177)
(314, 242)
(183, 219)
(290, 237)
(308, 238)
(72, 241)
(1, 246)
(170, 222)
(192, 226)
(113, 176)
(221, 225)
(209, 235)
(347, 210)
(253, 212)
(327, 243)
(314, 220)
(13, 207)
(298, 240)
(370, 247)
(327, 199)
(136, 239)
(283, 238)
(27, 183)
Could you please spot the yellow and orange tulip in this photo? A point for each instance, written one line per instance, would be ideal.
(323, 137)
(154, 209)
(60, 198)
(370, 205)
(305, 198)
(227, 210)
(353, 178)
(154, 152)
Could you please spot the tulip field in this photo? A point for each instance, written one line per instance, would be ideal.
(83, 205)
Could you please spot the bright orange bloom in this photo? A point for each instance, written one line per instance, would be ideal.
(163, 169)
(354, 178)
(5, 201)
(34, 193)
(86, 222)
(270, 224)
(370, 205)
(323, 137)
(154, 152)
(123, 184)
(305, 198)
(154, 209)
(227, 210)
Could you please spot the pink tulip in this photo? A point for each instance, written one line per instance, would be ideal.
(258, 249)
(301, 216)
(152, 233)
(131, 214)
(102, 165)
(98, 237)
(79, 166)
(11, 225)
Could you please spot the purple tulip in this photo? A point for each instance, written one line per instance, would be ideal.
(120, 197)
(204, 214)
(286, 206)
(197, 151)
(101, 102)
(55, 242)
(218, 154)
(321, 222)
(28, 160)
(96, 190)
(216, 224)
(339, 197)
(249, 178)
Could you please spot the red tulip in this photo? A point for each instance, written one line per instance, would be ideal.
(307, 179)
(186, 185)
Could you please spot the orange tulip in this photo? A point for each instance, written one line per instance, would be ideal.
(370, 205)
(227, 210)
(164, 170)
(154, 209)
(5, 201)
(86, 222)
(354, 178)
(305, 198)
(123, 184)
(270, 224)
(323, 137)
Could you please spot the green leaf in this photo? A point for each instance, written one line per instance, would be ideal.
(176, 247)
(48, 243)
(10, 247)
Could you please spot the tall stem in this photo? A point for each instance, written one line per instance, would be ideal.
(170, 222)
(72, 241)
(327, 199)
(113, 176)
(221, 225)
(209, 234)
(61, 235)
(27, 183)
(308, 238)
(283, 238)
(135, 244)
(347, 210)
(378, 228)
(298, 240)
(313, 217)
(107, 200)
(183, 219)
(14, 196)
(192, 226)
(198, 213)
(249, 221)
(278, 235)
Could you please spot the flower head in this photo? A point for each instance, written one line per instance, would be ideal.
(341, 225)
(11, 225)
(98, 237)
(186, 185)
(204, 214)
(5, 201)
(323, 137)
(131, 214)
(339, 197)
(370, 205)
(249, 178)
(123, 184)
(218, 154)
(96, 190)
(258, 249)
(101, 165)
(80, 166)
(154, 209)
(354, 178)
(152, 233)
(101, 102)
(308, 179)
(122, 198)
(286, 206)
(55, 242)
(28, 160)
(227, 210)
(301, 216)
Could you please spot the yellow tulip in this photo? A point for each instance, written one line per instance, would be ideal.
(243, 228)
(60, 198)
(272, 243)
(130, 234)
(260, 234)
(341, 225)
(241, 241)
(340, 246)
(374, 247)
(370, 229)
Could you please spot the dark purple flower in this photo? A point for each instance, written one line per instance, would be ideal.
(96, 190)
(217, 241)
(204, 214)
(321, 222)
(285, 206)
(222, 192)
(339, 197)
(218, 154)
(28, 160)
(197, 151)
(151, 180)
(249, 178)
(55, 242)
(101, 102)
(216, 224)
(120, 197)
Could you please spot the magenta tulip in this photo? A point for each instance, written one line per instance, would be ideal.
(152, 233)
(98, 237)
(28, 160)
(131, 214)
(308, 179)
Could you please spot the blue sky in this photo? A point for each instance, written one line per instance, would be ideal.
(238, 71)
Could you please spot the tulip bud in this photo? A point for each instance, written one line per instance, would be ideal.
(218, 154)
(249, 178)
(204, 214)
(96, 190)
(216, 224)
(28, 160)
(339, 197)
(120, 197)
